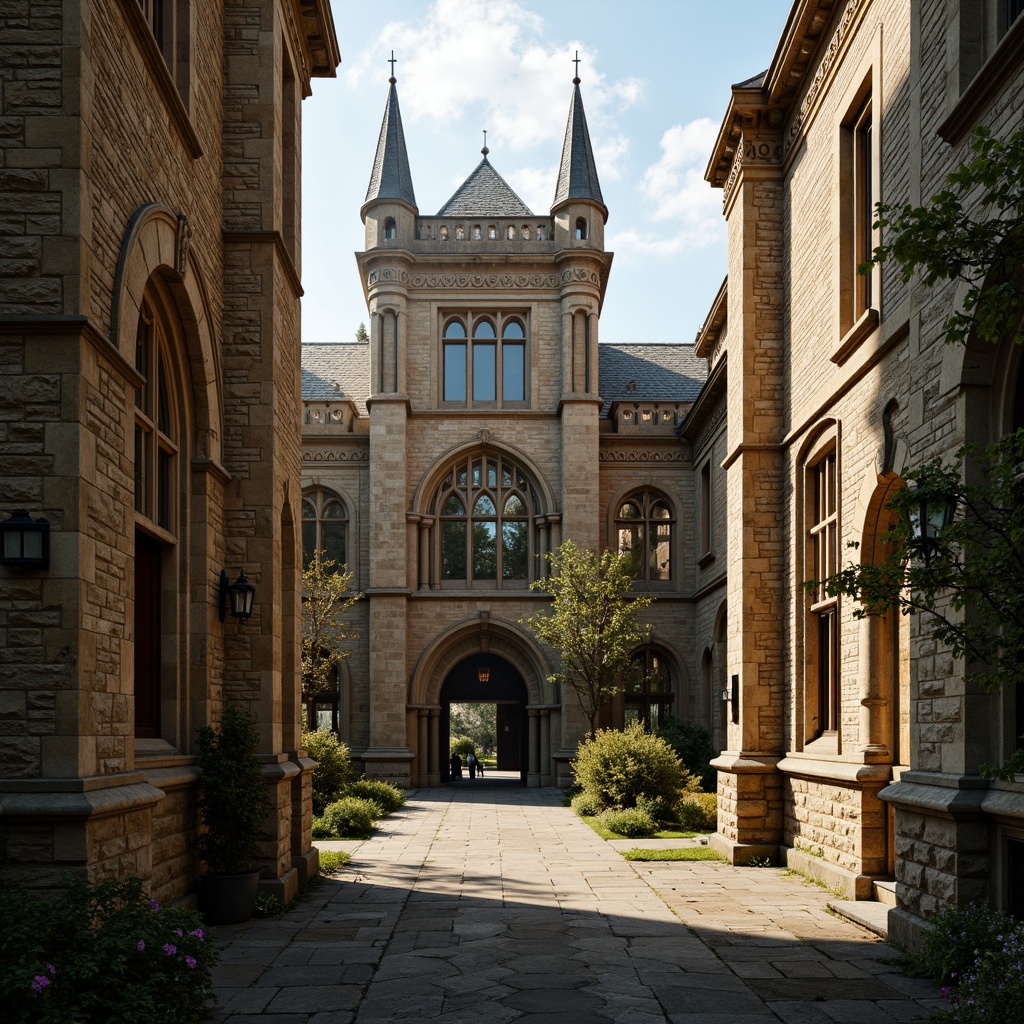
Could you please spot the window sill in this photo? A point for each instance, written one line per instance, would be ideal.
(866, 323)
(706, 559)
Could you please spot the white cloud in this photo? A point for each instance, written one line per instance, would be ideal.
(535, 186)
(685, 208)
(489, 60)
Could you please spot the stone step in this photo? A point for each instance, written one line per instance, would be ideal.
(884, 891)
(868, 914)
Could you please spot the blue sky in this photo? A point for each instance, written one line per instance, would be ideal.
(655, 78)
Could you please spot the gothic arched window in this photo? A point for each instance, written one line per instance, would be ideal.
(644, 525)
(324, 527)
(486, 509)
(648, 696)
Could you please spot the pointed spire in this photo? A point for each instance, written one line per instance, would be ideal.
(577, 174)
(391, 177)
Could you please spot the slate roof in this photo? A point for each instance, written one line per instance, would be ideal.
(649, 373)
(752, 83)
(485, 193)
(346, 365)
(631, 373)
(391, 177)
(577, 173)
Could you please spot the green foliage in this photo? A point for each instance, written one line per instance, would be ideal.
(102, 954)
(268, 905)
(334, 770)
(992, 988)
(347, 818)
(233, 801)
(630, 822)
(386, 796)
(693, 745)
(970, 588)
(592, 622)
(460, 745)
(620, 766)
(326, 598)
(361, 333)
(587, 805)
(698, 812)
(658, 808)
(959, 937)
(331, 860)
(972, 231)
(478, 722)
(680, 853)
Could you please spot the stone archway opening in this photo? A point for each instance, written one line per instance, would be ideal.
(487, 678)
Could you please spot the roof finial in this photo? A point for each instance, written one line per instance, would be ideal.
(576, 61)
(485, 150)
(392, 62)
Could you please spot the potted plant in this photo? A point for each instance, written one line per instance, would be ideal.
(233, 804)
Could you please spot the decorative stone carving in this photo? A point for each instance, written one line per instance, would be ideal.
(466, 280)
(333, 456)
(638, 455)
(182, 242)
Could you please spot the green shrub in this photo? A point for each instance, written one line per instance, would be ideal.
(386, 796)
(461, 745)
(331, 860)
(348, 818)
(656, 807)
(619, 767)
(333, 771)
(992, 989)
(102, 953)
(956, 941)
(629, 822)
(586, 805)
(698, 812)
(693, 745)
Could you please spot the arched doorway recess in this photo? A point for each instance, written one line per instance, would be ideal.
(487, 678)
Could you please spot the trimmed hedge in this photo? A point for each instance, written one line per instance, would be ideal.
(386, 796)
(629, 822)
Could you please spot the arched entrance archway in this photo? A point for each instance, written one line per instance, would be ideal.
(489, 678)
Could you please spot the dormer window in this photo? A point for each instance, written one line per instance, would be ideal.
(581, 228)
(390, 229)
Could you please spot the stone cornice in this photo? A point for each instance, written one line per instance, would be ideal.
(312, 25)
(276, 239)
(713, 322)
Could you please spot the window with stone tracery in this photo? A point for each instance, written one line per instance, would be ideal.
(486, 516)
(644, 526)
(324, 527)
(484, 359)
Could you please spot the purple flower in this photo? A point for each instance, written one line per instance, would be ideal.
(153, 905)
(40, 982)
(944, 992)
(190, 961)
(198, 934)
(179, 933)
(169, 949)
(140, 945)
(51, 968)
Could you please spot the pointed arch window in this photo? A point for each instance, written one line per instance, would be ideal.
(645, 528)
(649, 696)
(486, 509)
(325, 523)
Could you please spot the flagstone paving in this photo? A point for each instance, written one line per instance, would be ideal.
(494, 903)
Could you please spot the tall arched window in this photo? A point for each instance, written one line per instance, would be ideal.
(644, 526)
(484, 358)
(324, 527)
(157, 499)
(486, 509)
(648, 697)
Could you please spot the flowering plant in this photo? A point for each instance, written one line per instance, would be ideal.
(103, 953)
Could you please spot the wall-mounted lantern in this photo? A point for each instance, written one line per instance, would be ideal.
(24, 541)
(236, 597)
(483, 674)
(928, 518)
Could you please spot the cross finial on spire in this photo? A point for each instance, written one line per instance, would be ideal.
(392, 62)
(576, 61)
(485, 150)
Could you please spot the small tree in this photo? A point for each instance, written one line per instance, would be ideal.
(592, 623)
(326, 598)
(361, 334)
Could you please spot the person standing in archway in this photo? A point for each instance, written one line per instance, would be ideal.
(456, 767)
(472, 763)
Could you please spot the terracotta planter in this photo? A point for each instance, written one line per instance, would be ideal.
(228, 899)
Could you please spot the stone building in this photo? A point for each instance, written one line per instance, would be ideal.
(854, 746)
(149, 382)
(480, 426)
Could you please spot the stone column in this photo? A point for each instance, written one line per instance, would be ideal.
(422, 771)
(545, 747)
(533, 773)
(435, 744)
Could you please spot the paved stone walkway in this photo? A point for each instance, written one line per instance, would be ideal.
(488, 903)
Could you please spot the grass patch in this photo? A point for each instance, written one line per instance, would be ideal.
(680, 853)
(668, 833)
(331, 860)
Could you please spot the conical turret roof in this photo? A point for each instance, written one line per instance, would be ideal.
(391, 177)
(577, 174)
(485, 193)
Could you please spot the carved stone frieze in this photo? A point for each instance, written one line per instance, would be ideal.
(639, 455)
(403, 277)
(835, 47)
(335, 456)
(710, 427)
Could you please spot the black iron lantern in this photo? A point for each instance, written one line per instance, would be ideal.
(236, 597)
(483, 674)
(24, 541)
(929, 516)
